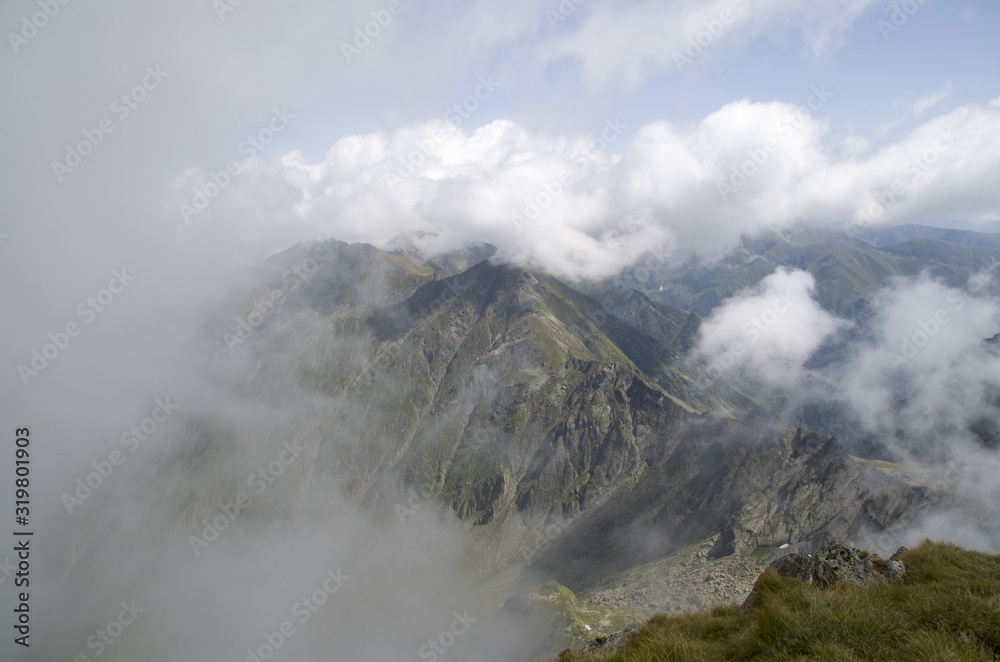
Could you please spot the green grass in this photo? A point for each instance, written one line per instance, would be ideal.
(763, 555)
(948, 608)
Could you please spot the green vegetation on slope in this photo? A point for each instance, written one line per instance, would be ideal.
(948, 608)
(848, 271)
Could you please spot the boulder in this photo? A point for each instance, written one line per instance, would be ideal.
(836, 563)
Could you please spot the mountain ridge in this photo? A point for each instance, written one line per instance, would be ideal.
(562, 434)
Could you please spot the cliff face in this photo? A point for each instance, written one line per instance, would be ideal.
(754, 484)
(548, 426)
(520, 403)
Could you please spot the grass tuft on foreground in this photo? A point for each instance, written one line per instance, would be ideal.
(947, 608)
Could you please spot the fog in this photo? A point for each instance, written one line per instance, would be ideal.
(152, 155)
(917, 378)
(770, 330)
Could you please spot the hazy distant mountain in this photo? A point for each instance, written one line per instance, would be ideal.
(520, 401)
(848, 271)
(897, 234)
(513, 395)
(556, 428)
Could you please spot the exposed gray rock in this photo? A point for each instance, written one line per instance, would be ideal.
(836, 563)
(612, 642)
(895, 571)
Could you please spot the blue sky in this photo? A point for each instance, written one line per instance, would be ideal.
(876, 74)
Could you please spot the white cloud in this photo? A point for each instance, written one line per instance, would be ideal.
(934, 98)
(924, 369)
(772, 328)
(558, 203)
(627, 44)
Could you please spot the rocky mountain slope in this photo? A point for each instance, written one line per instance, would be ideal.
(559, 432)
(521, 402)
(934, 602)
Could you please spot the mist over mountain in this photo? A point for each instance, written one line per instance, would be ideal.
(454, 439)
(452, 434)
(467, 331)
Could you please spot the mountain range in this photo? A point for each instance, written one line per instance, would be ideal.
(559, 426)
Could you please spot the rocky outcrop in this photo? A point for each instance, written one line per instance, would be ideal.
(687, 580)
(518, 406)
(836, 563)
(747, 483)
(605, 643)
(521, 403)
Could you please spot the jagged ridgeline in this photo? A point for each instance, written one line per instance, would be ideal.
(559, 430)
(512, 401)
